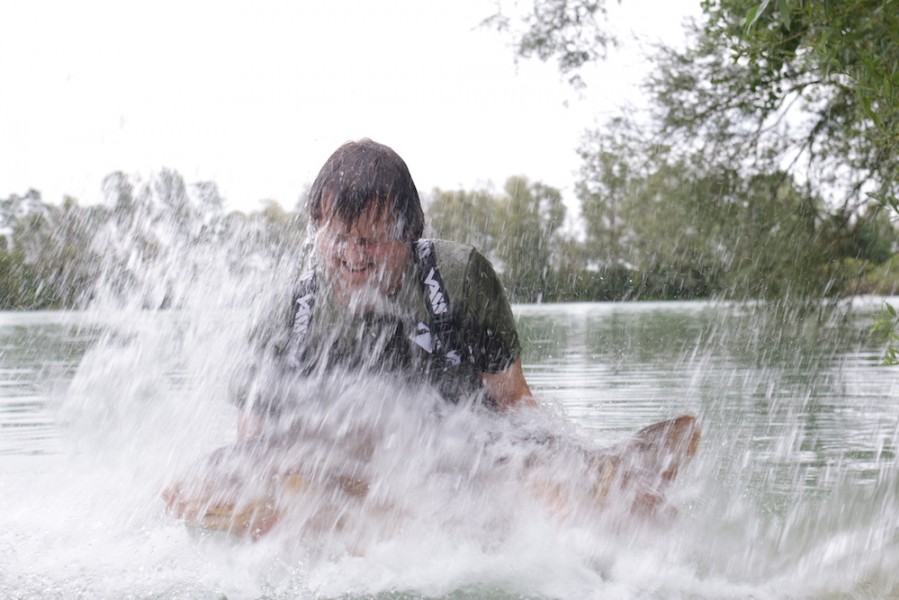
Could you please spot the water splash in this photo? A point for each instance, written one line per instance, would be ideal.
(793, 495)
(179, 294)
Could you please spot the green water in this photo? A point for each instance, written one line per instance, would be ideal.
(793, 494)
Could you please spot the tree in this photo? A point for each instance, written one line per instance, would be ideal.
(788, 110)
(64, 259)
(463, 216)
(684, 215)
(611, 163)
(806, 86)
(152, 244)
(24, 223)
(572, 31)
(785, 88)
(531, 213)
(691, 226)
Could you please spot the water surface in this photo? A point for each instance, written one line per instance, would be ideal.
(793, 495)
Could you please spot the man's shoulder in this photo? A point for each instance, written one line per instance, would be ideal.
(461, 266)
(449, 251)
(454, 259)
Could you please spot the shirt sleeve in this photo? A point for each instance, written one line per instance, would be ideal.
(489, 326)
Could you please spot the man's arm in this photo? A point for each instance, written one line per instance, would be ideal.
(509, 389)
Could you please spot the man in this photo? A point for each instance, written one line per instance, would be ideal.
(367, 304)
(381, 300)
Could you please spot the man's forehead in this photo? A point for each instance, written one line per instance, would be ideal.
(370, 218)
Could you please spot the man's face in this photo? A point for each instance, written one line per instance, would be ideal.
(364, 262)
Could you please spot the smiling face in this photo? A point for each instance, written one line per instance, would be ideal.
(364, 261)
(366, 214)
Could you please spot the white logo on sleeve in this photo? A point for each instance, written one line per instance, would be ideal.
(435, 294)
(422, 337)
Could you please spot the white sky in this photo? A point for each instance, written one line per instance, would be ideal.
(256, 95)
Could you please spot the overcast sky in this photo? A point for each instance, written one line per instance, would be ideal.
(256, 95)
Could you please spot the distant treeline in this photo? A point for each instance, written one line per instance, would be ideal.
(675, 235)
(141, 241)
(679, 232)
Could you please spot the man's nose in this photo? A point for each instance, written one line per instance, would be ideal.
(354, 251)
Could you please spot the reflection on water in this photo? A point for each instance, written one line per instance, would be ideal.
(38, 351)
(794, 493)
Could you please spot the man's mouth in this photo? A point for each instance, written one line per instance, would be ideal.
(357, 273)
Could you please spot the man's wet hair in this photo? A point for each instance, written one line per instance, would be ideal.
(364, 174)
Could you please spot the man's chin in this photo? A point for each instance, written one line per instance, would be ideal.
(360, 297)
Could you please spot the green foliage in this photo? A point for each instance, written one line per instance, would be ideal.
(810, 85)
(25, 220)
(272, 231)
(472, 217)
(780, 123)
(57, 256)
(608, 171)
(658, 224)
(572, 31)
(517, 229)
(882, 279)
(693, 227)
(886, 328)
(530, 215)
(842, 57)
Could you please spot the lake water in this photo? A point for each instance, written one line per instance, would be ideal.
(794, 492)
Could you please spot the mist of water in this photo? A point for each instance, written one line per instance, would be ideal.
(457, 504)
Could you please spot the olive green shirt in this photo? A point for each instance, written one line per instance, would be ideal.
(394, 337)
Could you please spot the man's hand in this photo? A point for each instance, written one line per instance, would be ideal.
(233, 490)
(509, 388)
(248, 488)
(207, 508)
